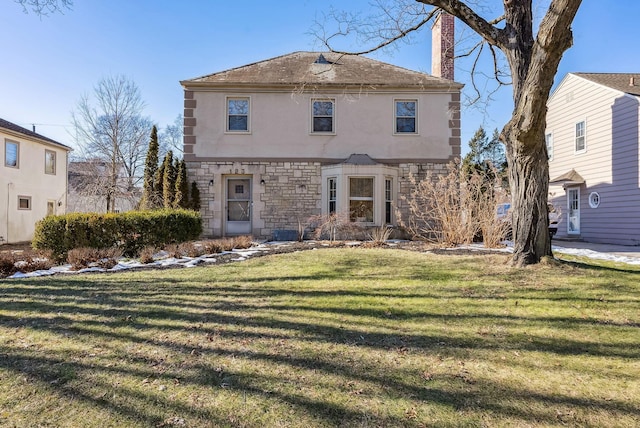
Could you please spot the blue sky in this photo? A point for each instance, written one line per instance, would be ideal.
(50, 62)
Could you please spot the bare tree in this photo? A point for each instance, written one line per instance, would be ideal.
(110, 127)
(171, 138)
(45, 7)
(532, 58)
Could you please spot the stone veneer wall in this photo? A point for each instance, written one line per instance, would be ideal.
(291, 191)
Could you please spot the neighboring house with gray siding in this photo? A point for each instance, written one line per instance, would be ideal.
(593, 143)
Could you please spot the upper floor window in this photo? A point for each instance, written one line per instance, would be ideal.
(237, 114)
(323, 114)
(548, 138)
(406, 117)
(581, 143)
(11, 154)
(49, 162)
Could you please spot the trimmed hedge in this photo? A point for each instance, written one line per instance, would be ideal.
(129, 231)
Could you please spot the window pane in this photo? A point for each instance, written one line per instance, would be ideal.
(238, 211)
(361, 187)
(406, 108)
(405, 125)
(322, 124)
(51, 208)
(11, 154)
(24, 203)
(49, 162)
(238, 123)
(361, 210)
(239, 107)
(323, 108)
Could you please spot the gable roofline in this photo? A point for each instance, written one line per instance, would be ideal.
(320, 69)
(611, 81)
(12, 128)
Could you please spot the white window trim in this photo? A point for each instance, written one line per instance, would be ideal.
(575, 137)
(333, 118)
(226, 114)
(549, 146)
(55, 161)
(28, 198)
(395, 122)
(594, 200)
(6, 143)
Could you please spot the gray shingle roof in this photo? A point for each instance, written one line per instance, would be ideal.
(625, 82)
(322, 68)
(24, 131)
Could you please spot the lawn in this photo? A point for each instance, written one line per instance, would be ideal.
(330, 337)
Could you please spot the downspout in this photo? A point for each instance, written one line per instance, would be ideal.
(8, 199)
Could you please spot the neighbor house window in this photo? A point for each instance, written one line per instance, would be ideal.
(51, 208)
(333, 195)
(24, 202)
(238, 114)
(361, 199)
(548, 138)
(11, 154)
(581, 144)
(406, 116)
(323, 115)
(388, 195)
(49, 162)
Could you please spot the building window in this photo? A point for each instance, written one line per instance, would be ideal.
(323, 113)
(238, 114)
(594, 200)
(24, 202)
(361, 199)
(406, 117)
(581, 144)
(388, 200)
(49, 162)
(333, 195)
(11, 154)
(548, 138)
(51, 208)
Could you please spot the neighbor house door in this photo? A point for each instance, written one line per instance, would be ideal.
(573, 206)
(238, 206)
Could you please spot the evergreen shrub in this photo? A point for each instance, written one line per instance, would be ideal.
(129, 231)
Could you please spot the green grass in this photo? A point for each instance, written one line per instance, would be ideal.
(332, 337)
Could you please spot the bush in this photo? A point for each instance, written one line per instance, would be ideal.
(130, 231)
(7, 264)
(84, 257)
(215, 246)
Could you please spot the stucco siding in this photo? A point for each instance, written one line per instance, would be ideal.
(609, 164)
(29, 181)
(280, 127)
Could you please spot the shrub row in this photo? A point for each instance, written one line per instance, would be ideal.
(130, 231)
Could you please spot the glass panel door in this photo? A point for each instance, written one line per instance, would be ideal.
(573, 205)
(238, 212)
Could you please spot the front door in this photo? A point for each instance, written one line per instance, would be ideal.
(573, 206)
(238, 206)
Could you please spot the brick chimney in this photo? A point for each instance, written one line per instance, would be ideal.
(442, 44)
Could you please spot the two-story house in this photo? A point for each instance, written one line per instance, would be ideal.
(33, 181)
(593, 144)
(278, 141)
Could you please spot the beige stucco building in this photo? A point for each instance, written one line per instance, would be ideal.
(33, 181)
(276, 142)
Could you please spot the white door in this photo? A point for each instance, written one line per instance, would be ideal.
(238, 206)
(573, 208)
